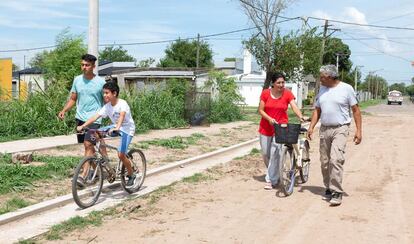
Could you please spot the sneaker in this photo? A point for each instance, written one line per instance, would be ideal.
(131, 180)
(80, 182)
(328, 195)
(336, 199)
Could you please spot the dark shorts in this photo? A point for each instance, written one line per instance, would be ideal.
(87, 136)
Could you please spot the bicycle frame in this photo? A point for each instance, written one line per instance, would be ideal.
(100, 143)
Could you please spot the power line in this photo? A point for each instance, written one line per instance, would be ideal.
(333, 20)
(395, 56)
(147, 42)
(367, 25)
(392, 18)
(379, 38)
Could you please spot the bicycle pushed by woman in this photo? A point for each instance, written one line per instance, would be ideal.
(274, 103)
(88, 178)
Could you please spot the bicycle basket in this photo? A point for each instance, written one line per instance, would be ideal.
(287, 133)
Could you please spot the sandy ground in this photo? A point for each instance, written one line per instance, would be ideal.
(233, 208)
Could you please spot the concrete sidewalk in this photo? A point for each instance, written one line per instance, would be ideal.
(64, 140)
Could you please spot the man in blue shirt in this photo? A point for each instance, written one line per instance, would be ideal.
(86, 93)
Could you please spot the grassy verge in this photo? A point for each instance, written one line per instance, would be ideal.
(133, 208)
(17, 177)
(176, 142)
(13, 204)
(369, 103)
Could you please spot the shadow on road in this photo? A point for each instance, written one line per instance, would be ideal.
(260, 178)
(317, 190)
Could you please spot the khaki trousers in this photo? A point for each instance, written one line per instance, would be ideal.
(332, 155)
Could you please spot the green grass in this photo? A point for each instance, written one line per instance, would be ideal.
(16, 177)
(369, 103)
(176, 142)
(198, 177)
(95, 218)
(254, 151)
(13, 204)
(26, 242)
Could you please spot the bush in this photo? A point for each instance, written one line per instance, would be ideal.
(159, 108)
(224, 105)
(35, 117)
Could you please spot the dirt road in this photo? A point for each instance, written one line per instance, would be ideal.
(378, 206)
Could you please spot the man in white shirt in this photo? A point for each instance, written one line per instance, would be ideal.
(333, 107)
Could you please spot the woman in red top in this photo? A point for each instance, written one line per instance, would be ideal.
(273, 108)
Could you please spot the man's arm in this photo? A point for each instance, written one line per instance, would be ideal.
(69, 104)
(358, 123)
(315, 118)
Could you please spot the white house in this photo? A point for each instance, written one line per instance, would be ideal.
(250, 82)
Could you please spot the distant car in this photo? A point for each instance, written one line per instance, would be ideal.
(395, 97)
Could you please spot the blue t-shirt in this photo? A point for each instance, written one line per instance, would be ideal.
(89, 96)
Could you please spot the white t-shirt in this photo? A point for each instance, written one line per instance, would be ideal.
(335, 104)
(113, 112)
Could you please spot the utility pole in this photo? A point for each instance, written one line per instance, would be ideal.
(356, 77)
(325, 30)
(198, 51)
(94, 31)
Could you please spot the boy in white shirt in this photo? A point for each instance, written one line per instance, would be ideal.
(120, 114)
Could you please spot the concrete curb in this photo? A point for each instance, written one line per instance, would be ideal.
(63, 200)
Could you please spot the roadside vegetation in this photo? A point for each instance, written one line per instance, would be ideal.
(176, 142)
(18, 177)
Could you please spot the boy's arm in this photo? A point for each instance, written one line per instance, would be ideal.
(120, 120)
(88, 122)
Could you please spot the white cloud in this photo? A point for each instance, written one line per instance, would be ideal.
(352, 14)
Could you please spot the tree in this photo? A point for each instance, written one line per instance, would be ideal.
(287, 51)
(264, 14)
(116, 54)
(15, 67)
(183, 53)
(376, 85)
(334, 47)
(145, 63)
(412, 80)
(410, 90)
(62, 64)
(38, 60)
(399, 87)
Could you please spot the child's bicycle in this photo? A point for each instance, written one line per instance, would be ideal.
(91, 168)
(295, 155)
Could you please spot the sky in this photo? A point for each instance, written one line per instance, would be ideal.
(26, 24)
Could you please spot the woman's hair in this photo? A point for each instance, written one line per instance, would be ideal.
(275, 76)
(112, 86)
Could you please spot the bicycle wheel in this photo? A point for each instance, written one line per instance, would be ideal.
(139, 167)
(304, 170)
(287, 171)
(86, 190)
